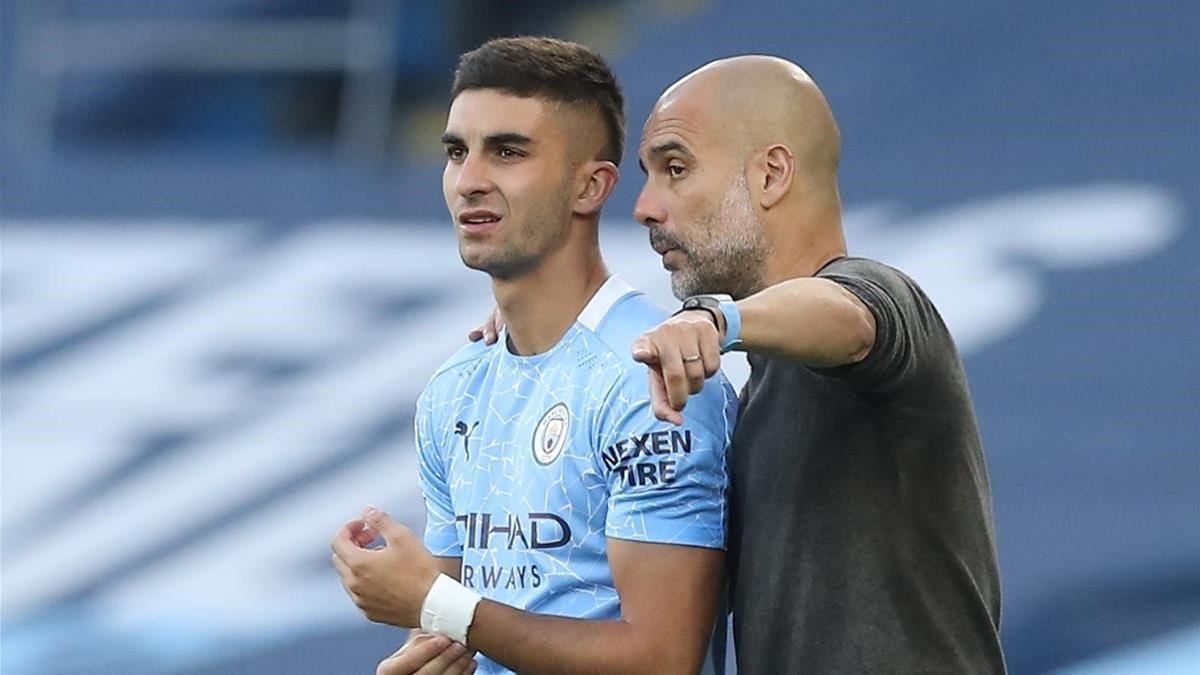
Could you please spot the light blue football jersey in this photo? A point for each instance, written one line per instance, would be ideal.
(528, 464)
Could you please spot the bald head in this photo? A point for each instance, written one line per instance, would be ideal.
(757, 101)
(741, 160)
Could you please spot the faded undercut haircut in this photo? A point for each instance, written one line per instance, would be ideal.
(555, 70)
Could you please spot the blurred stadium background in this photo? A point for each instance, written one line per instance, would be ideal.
(226, 272)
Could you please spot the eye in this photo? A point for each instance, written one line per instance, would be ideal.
(455, 153)
(676, 170)
(508, 153)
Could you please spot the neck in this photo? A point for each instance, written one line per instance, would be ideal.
(540, 305)
(804, 246)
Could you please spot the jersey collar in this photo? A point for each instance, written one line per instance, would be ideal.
(608, 295)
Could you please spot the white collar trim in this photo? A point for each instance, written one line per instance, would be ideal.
(608, 295)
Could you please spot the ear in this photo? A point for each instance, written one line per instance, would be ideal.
(598, 178)
(778, 165)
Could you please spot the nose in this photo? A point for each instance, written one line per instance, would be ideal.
(473, 177)
(649, 210)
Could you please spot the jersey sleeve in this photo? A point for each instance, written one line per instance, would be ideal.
(667, 484)
(905, 322)
(441, 534)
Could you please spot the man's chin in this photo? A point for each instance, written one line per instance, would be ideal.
(472, 260)
(682, 286)
(479, 263)
(499, 270)
(685, 286)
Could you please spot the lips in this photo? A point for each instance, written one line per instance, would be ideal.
(661, 243)
(674, 256)
(673, 259)
(478, 220)
(478, 217)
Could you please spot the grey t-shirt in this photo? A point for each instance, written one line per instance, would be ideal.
(861, 534)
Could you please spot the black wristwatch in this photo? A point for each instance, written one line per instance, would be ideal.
(728, 308)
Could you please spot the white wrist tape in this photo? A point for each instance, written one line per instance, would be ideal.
(448, 609)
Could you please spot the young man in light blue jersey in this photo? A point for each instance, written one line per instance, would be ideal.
(568, 529)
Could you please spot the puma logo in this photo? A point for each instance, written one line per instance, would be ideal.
(461, 429)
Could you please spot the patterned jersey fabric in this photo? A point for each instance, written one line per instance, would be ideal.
(529, 464)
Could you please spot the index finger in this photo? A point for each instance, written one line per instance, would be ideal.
(644, 351)
(414, 654)
(343, 544)
(365, 536)
(416, 636)
(452, 659)
(361, 533)
(658, 399)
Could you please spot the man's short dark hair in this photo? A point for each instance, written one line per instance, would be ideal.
(556, 70)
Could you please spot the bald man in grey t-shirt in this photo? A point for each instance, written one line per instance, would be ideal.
(861, 529)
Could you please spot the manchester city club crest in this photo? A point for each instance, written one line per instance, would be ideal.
(550, 436)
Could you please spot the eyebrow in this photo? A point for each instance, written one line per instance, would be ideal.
(664, 148)
(502, 138)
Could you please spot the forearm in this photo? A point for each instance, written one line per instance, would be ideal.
(543, 644)
(451, 567)
(813, 321)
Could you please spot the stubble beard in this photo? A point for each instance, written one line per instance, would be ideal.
(522, 252)
(731, 250)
